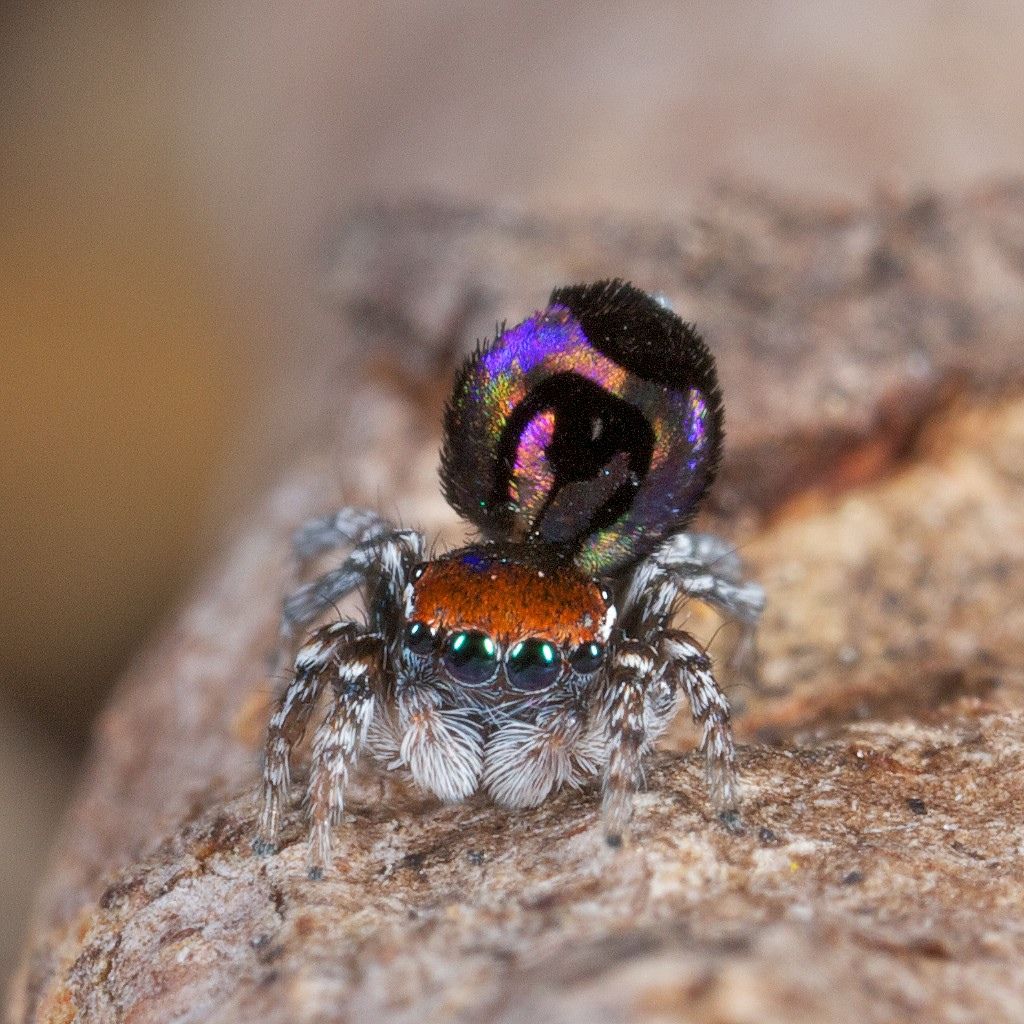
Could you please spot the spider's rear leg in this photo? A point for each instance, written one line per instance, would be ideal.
(357, 528)
(708, 568)
(744, 602)
(314, 664)
(324, 534)
(686, 661)
(380, 547)
(310, 601)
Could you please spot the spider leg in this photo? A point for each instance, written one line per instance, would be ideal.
(314, 664)
(631, 673)
(390, 550)
(706, 551)
(640, 700)
(355, 661)
(525, 761)
(311, 600)
(703, 566)
(743, 602)
(339, 739)
(348, 525)
(699, 565)
(685, 660)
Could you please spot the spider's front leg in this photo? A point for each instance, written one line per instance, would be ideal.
(632, 673)
(357, 688)
(640, 700)
(313, 666)
(350, 660)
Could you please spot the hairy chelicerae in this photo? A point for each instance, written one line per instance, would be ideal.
(580, 443)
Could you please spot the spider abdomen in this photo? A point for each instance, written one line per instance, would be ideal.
(593, 427)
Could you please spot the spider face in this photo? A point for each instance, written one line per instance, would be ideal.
(507, 619)
(579, 443)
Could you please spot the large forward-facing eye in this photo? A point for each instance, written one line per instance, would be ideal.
(533, 664)
(471, 657)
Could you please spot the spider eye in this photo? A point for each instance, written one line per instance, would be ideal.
(533, 664)
(471, 657)
(587, 658)
(419, 638)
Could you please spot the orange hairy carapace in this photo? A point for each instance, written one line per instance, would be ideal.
(509, 599)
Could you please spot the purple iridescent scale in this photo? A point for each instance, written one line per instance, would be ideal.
(594, 427)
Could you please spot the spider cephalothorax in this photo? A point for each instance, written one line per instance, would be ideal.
(580, 443)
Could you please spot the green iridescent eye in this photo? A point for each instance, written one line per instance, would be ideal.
(533, 664)
(587, 658)
(471, 657)
(419, 638)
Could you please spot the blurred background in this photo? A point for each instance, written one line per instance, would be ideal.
(172, 175)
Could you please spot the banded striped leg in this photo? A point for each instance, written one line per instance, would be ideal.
(307, 603)
(744, 602)
(710, 708)
(338, 741)
(377, 544)
(703, 566)
(632, 672)
(313, 665)
(699, 565)
(348, 525)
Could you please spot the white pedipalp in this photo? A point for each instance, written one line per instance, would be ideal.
(442, 748)
(525, 762)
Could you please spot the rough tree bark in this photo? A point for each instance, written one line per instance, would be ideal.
(873, 365)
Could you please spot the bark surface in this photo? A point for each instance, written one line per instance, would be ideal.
(872, 360)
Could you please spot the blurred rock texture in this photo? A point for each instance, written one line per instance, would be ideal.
(873, 364)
